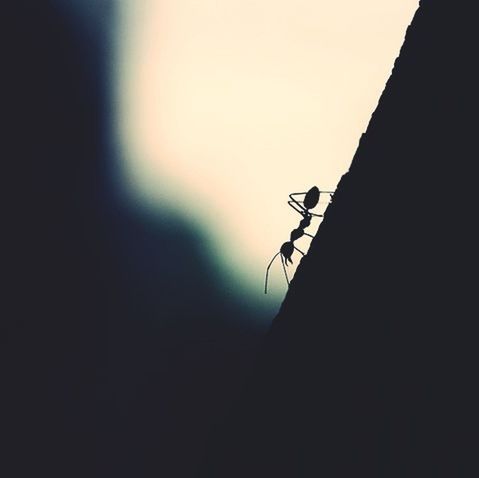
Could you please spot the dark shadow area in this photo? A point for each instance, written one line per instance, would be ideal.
(370, 367)
(119, 346)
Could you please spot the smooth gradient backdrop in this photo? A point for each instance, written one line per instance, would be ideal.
(223, 108)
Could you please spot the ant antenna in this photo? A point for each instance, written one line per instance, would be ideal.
(267, 271)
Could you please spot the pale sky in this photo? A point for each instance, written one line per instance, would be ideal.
(225, 107)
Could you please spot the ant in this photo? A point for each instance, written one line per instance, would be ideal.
(311, 199)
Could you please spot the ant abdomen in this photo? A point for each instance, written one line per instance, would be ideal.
(311, 198)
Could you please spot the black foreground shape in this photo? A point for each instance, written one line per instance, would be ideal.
(371, 367)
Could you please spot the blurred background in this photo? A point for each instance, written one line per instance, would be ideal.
(224, 108)
(151, 147)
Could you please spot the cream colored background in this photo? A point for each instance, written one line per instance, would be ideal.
(226, 106)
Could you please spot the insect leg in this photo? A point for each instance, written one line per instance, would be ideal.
(331, 193)
(267, 271)
(301, 252)
(296, 194)
(297, 207)
(297, 201)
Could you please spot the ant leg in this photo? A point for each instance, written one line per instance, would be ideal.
(302, 211)
(320, 192)
(295, 204)
(284, 268)
(304, 194)
(267, 271)
(297, 207)
(331, 193)
(310, 235)
(301, 252)
(296, 194)
(296, 201)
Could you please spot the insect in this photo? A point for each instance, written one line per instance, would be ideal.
(303, 207)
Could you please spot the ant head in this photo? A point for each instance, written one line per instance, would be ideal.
(287, 250)
(312, 198)
(305, 222)
(296, 234)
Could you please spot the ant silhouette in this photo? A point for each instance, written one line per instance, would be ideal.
(310, 201)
